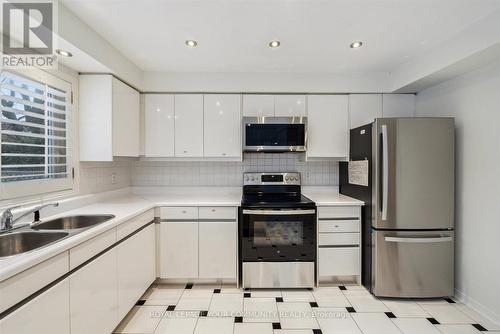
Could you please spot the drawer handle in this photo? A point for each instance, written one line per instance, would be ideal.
(213, 210)
(337, 226)
(184, 211)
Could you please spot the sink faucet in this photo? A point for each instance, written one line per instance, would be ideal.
(7, 218)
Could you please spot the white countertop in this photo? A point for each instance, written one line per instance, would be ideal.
(127, 204)
(329, 196)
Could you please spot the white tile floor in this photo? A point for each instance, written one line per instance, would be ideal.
(221, 309)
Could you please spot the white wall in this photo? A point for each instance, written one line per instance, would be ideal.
(474, 100)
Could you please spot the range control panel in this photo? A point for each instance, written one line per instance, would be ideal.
(271, 179)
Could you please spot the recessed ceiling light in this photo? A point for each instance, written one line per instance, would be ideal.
(274, 44)
(64, 53)
(355, 45)
(191, 43)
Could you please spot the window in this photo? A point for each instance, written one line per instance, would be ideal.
(35, 134)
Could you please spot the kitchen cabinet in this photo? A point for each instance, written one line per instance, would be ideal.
(217, 249)
(159, 125)
(328, 126)
(189, 125)
(364, 108)
(198, 242)
(256, 105)
(222, 125)
(108, 118)
(179, 249)
(136, 268)
(339, 242)
(93, 296)
(290, 105)
(398, 105)
(46, 313)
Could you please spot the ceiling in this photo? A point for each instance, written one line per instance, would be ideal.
(233, 35)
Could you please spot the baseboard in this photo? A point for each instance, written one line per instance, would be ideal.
(478, 307)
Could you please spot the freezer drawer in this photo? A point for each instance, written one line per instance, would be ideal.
(413, 264)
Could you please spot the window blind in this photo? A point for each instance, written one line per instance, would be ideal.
(34, 130)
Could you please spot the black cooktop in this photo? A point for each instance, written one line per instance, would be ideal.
(270, 200)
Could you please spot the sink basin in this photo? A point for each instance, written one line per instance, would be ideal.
(22, 242)
(72, 222)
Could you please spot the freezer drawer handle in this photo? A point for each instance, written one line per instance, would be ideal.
(418, 240)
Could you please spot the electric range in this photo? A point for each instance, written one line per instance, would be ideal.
(277, 232)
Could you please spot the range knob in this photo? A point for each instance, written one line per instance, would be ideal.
(287, 178)
(247, 178)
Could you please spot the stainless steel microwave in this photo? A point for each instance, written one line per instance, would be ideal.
(274, 134)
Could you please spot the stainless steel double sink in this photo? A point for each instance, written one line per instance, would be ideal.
(37, 235)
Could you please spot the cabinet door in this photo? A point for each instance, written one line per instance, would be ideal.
(217, 249)
(222, 131)
(364, 108)
(93, 296)
(290, 105)
(328, 126)
(189, 125)
(126, 105)
(136, 268)
(159, 125)
(46, 313)
(179, 249)
(258, 105)
(398, 105)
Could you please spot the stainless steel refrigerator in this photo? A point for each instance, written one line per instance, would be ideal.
(408, 220)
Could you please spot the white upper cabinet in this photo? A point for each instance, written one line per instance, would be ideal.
(328, 126)
(364, 108)
(398, 105)
(159, 125)
(189, 125)
(258, 105)
(290, 105)
(108, 118)
(222, 125)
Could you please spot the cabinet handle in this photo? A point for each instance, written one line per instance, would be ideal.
(185, 151)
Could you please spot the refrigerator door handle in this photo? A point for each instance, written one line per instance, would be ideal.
(385, 172)
(419, 240)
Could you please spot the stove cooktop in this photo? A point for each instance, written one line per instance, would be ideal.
(276, 201)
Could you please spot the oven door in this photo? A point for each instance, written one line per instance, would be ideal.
(274, 134)
(278, 235)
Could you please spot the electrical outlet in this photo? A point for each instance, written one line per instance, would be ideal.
(113, 178)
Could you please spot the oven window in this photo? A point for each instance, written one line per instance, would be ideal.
(269, 233)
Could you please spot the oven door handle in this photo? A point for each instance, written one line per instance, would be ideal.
(279, 212)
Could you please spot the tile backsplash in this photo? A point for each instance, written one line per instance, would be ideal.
(96, 177)
(224, 173)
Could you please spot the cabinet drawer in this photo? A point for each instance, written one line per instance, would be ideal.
(134, 224)
(179, 212)
(90, 248)
(213, 212)
(338, 212)
(20, 286)
(338, 239)
(342, 261)
(338, 226)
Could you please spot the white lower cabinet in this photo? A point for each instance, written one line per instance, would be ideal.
(47, 313)
(217, 249)
(179, 249)
(339, 241)
(93, 296)
(339, 261)
(136, 267)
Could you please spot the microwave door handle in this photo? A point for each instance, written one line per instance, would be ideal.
(279, 212)
(385, 172)
(417, 240)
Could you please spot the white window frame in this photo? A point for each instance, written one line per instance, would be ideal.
(18, 189)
